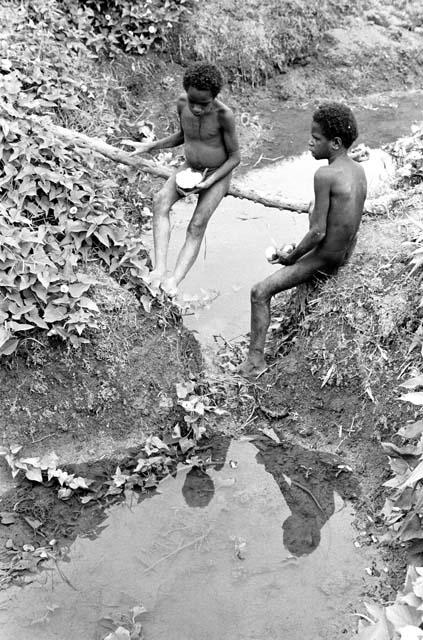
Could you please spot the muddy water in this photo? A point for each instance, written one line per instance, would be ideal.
(210, 556)
(231, 260)
(382, 118)
(216, 291)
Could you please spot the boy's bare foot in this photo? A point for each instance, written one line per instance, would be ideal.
(170, 287)
(155, 277)
(249, 369)
(154, 280)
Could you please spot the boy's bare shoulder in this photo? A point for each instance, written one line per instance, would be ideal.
(323, 174)
(181, 101)
(359, 168)
(224, 113)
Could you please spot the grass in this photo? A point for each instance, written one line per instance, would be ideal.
(253, 41)
(356, 324)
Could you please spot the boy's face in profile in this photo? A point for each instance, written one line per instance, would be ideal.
(200, 101)
(319, 145)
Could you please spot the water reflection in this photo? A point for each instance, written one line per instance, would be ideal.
(176, 554)
(198, 488)
(307, 480)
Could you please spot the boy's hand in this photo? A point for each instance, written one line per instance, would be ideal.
(284, 256)
(203, 185)
(140, 147)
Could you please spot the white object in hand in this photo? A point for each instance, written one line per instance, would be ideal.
(188, 179)
(271, 253)
(287, 249)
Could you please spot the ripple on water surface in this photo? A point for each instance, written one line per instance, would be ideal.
(233, 553)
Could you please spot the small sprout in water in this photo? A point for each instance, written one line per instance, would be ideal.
(241, 548)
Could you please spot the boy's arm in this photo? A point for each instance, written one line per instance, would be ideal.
(318, 218)
(230, 139)
(174, 140)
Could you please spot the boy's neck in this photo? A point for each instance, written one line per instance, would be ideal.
(337, 153)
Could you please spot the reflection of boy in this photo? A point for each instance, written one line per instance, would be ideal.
(311, 498)
(198, 488)
(207, 130)
(340, 192)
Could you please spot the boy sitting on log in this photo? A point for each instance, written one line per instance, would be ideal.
(207, 131)
(340, 191)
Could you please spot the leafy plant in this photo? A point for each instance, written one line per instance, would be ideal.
(402, 513)
(110, 26)
(57, 212)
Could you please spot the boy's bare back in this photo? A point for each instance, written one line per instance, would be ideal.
(340, 192)
(347, 192)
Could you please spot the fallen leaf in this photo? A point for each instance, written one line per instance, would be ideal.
(33, 522)
(392, 450)
(119, 634)
(64, 494)
(184, 388)
(186, 444)
(146, 303)
(34, 474)
(327, 376)
(79, 483)
(137, 611)
(119, 478)
(411, 430)
(413, 383)
(415, 476)
(176, 433)
(26, 564)
(270, 433)
(414, 398)
(287, 479)
(7, 517)
(15, 448)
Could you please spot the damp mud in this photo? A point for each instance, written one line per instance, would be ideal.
(257, 544)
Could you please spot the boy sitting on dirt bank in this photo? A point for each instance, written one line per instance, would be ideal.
(340, 191)
(207, 130)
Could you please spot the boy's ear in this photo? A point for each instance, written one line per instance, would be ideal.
(336, 143)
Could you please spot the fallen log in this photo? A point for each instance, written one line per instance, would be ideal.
(119, 155)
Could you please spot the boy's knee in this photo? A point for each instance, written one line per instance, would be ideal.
(196, 228)
(259, 293)
(161, 201)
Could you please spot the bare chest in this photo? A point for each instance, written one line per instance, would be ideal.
(205, 128)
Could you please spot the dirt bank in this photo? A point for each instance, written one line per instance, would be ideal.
(338, 396)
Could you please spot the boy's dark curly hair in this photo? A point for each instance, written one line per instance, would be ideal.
(203, 76)
(337, 121)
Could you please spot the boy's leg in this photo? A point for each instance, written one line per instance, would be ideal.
(206, 205)
(261, 295)
(162, 204)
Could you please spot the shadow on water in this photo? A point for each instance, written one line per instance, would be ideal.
(255, 543)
